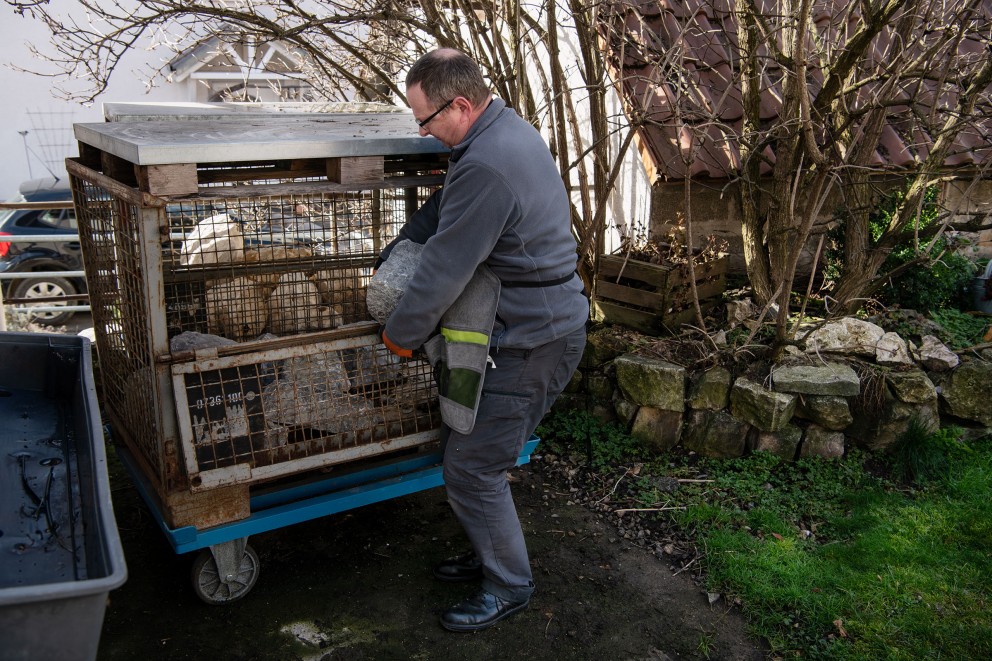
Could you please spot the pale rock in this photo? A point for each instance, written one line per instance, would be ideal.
(236, 309)
(386, 287)
(829, 379)
(847, 335)
(935, 356)
(214, 240)
(738, 311)
(892, 350)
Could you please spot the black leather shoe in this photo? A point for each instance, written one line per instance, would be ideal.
(465, 567)
(480, 611)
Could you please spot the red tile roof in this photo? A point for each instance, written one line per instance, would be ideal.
(703, 34)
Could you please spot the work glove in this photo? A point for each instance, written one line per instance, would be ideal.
(395, 348)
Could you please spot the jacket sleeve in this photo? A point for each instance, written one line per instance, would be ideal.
(421, 226)
(478, 206)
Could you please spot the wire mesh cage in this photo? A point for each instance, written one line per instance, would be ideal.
(234, 341)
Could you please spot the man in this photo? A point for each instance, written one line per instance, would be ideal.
(504, 205)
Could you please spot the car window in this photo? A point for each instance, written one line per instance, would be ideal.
(61, 219)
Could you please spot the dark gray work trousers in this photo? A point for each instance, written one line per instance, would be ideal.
(516, 394)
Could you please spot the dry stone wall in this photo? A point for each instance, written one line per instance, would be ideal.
(855, 385)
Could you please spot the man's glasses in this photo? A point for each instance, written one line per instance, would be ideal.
(434, 114)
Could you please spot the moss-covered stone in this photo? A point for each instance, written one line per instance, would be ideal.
(651, 382)
(716, 434)
(965, 393)
(765, 409)
(710, 389)
(828, 411)
(912, 387)
(625, 410)
(783, 443)
(602, 346)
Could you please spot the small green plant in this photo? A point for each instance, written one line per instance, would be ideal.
(922, 454)
(960, 330)
(941, 281)
(606, 445)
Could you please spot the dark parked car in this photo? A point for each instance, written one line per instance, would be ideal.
(42, 256)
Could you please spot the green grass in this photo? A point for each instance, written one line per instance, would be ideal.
(831, 560)
(889, 573)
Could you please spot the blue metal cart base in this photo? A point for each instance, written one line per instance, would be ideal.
(227, 567)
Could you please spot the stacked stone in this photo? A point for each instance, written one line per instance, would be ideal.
(804, 408)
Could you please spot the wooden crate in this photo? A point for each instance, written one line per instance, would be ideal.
(654, 297)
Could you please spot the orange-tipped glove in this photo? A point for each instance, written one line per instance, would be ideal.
(398, 350)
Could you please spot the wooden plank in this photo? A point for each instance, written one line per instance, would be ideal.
(618, 314)
(611, 266)
(173, 179)
(118, 169)
(630, 295)
(705, 271)
(206, 508)
(127, 193)
(89, 156)
(706, 289)
(673, 320)
(355, 169)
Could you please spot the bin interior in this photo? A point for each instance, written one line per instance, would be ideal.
(49, 521)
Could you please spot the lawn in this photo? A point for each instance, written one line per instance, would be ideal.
(869, 557)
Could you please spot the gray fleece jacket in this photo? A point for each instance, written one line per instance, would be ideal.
(503, 204)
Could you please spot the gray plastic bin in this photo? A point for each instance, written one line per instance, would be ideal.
(60, 553)
(978, 291)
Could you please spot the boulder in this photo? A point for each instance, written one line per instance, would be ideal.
(651, 382)
(819, 442)
(912, 387)
(716, 434)
(830, 379)
(892, 350)
(657, 428)
(765, 409)
(934, 356)
(783, 443)
(847, 335)
(965, 393)
(738, 311)
(828, 411)
(710, 389)
(602, 346)
(386, 287)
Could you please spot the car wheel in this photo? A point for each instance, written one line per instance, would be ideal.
(44, 288)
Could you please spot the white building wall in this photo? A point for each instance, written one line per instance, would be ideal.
(35, 126)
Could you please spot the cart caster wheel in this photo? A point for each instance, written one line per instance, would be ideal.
(210, 586)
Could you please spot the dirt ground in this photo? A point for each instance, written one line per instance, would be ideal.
(358, 586)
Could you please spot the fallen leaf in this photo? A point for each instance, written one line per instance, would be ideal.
(776, 535)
